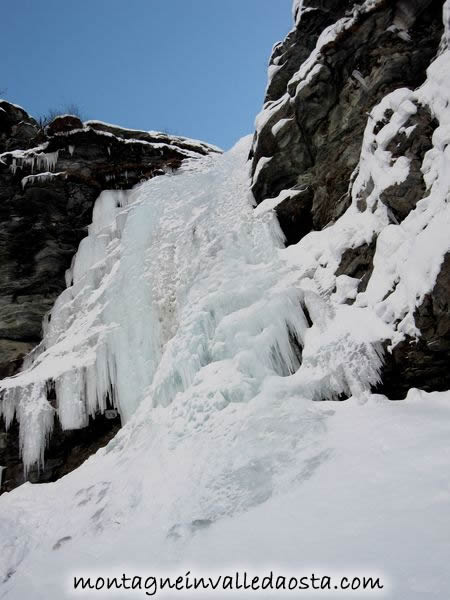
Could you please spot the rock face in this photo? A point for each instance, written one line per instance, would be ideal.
(49, 181)
(311, 137)
(423, 363)
(322, 87)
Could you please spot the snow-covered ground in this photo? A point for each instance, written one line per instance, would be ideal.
(183, 306)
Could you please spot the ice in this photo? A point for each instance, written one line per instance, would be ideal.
(33, 160)
(185, 312)
(160, 289)
(40, 178)
(31, 408)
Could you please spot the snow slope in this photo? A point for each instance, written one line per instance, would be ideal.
(284, 484)
(184, 311)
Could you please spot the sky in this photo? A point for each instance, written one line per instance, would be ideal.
(196, 68)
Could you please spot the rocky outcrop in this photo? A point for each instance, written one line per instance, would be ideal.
(403, 197)
(333, 68)
(311, 131)
(423, 363)
(49, 181)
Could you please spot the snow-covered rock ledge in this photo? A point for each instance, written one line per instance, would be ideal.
(350, 152)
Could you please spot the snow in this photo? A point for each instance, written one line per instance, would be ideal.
(12, 104)
(40, 178)
(278, 483)
(270, 109)
(281, 124)
(262, 162)
(272, 203)
(298, 10)
(185, 313)
(358, 76)
(191, 141)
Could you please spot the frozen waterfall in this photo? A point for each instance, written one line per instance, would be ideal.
(180, 283)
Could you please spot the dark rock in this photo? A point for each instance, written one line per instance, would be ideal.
(300, 42)
(327, 116)
(423, 363)
(358, 262)
(12, 353)
(63, 123)
(151, 137)
(403, 197)
(17, 129)
(294, 215)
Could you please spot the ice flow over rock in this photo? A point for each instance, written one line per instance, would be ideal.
(181, 284)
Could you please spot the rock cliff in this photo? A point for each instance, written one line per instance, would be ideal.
(338, 63)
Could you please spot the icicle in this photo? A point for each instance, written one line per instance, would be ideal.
(8, 405)
(48, 160)
(34, 160)
(35, 416)
(71, 401)
(40, 178)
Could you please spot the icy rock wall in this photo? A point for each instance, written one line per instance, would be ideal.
(348, 151)
(129, 291)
